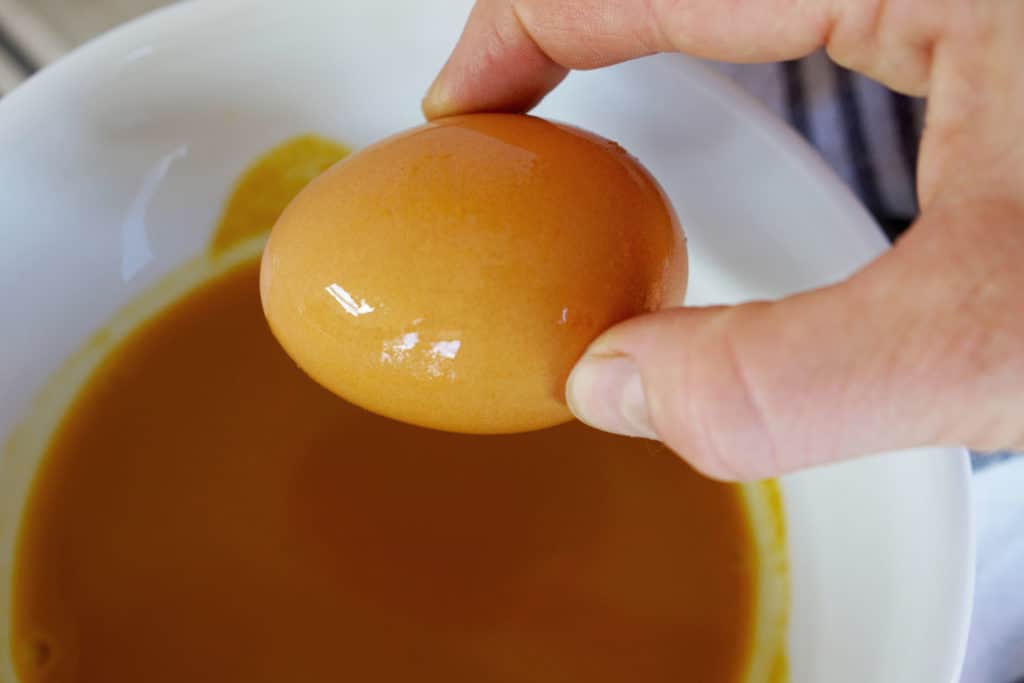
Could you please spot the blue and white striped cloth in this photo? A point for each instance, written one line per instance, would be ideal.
(867, 133)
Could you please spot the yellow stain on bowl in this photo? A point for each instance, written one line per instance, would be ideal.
(269, 184)
(769, 661)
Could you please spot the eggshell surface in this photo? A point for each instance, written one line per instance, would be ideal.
(451, 275)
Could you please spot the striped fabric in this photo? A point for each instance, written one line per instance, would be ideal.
(34, 33)
(27, 43)
(867, 133)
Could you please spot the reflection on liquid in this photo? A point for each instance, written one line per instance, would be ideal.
(135, 248)
(348, 302)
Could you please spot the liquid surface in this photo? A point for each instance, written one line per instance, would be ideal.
(207, 513)
(450, 276)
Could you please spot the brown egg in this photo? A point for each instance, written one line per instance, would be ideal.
(451, 275)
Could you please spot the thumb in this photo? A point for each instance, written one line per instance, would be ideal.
(742, 392)
(882, 361)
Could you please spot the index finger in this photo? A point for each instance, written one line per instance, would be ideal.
(512, 52)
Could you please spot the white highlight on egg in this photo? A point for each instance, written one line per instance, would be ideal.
(397, 350)
(446, 349)
(434, 358)
(348, 302)
(441, 354)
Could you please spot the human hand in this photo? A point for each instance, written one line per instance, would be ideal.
(923, 346)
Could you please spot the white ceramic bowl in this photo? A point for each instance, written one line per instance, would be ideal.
(115, 161)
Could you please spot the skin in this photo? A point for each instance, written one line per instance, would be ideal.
(923, 346)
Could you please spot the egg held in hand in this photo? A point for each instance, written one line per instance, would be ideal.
(451, 275)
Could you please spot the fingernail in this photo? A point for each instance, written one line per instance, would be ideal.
(607, 392)
(437, 101)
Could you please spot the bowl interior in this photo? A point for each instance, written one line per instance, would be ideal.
(117, 160)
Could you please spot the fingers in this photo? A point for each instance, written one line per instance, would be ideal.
(512, 52)
(907, 353)
(496, 66)
(925, 346)
(746, 392)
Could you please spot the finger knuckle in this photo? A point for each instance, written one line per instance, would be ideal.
(714, 416)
